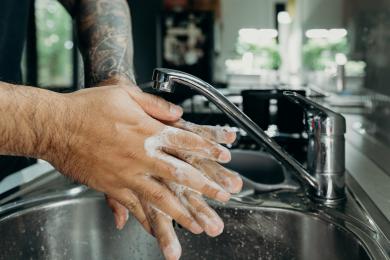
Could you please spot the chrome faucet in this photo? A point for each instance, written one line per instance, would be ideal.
(325, 177)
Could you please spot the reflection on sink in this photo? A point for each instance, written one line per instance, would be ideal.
(256, 166)
(260, 171)
(270, 233)
(83, 228)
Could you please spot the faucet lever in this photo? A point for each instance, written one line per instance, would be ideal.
(326, 146)
(328, 121)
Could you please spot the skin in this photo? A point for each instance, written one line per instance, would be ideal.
(104, 30)
(96, 136)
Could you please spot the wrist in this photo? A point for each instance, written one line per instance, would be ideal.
(58, 119)
(28, 114)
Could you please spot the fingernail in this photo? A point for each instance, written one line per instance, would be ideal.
(223, 196)
(224, 155)
(233, 184)
(195, 228)
(175, 110)
(119, 222)
(217, 227)
(172, 251)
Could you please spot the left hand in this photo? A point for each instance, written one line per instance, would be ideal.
(159, 224)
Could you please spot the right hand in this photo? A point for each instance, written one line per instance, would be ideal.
(100, 142)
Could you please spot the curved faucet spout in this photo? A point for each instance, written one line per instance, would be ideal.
(165, 79)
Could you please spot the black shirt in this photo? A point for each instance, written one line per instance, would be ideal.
(13, 28)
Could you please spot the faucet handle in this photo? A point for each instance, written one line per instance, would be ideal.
(319, 118)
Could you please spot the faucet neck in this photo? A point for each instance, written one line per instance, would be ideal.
(164, 80)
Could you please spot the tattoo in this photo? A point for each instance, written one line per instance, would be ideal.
(104, 31)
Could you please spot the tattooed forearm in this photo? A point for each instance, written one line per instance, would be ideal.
(104, 31)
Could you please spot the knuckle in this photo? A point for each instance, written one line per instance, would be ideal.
(190, 159)
(159, 102)
(210, 191)
(202, 208)
(131, 205)
(153, 216)
(159, 196)
(183, 219)
(165, 169)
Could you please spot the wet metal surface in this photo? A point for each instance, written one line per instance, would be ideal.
(75, 223)
(285, 226)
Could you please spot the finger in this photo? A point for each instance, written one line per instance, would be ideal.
(171, 169)
(218, 134)
(120, 212)
(164, 232)
(227, 179)
(184, 141)
(157, 107)
(162, 198)
(127, 199)
(207, 218)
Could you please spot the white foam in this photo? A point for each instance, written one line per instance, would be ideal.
(160, 211)
(173, 249)
(153, 147)
(154, 144)
(220, 131)
(179, 192)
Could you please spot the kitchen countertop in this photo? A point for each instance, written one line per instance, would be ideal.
(365, 161)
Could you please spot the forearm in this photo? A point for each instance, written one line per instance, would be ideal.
(104, 31)
(27, 120)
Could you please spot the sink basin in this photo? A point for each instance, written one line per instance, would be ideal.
(257, 166)
(260, 171)
(83, 228)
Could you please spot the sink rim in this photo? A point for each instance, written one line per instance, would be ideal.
(371, 247)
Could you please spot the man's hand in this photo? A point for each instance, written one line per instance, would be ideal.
(159, 224)
(102, 143)
(109, 138)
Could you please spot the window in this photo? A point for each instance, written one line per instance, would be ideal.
(53, 55)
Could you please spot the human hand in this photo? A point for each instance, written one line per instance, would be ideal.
(159, 224)
(108, 142)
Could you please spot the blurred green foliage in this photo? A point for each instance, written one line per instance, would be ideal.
(317, 53)
(269, 53)
(54, 43)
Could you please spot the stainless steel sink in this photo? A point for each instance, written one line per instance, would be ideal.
(281, 223)
(257, 166)
(261, 172)
(83, 228)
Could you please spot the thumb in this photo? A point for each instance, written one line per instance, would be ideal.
(157, 107)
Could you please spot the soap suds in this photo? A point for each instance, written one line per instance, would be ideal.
(208, 222)
(153, 146)
(173, 249)
(217, 133)
(167, 138)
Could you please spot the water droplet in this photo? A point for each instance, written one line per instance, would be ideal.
(295, 204)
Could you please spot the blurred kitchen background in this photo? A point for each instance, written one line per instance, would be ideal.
(250, 43)
(335, 51)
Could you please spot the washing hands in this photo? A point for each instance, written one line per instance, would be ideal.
(134, 148)
(159, 223)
